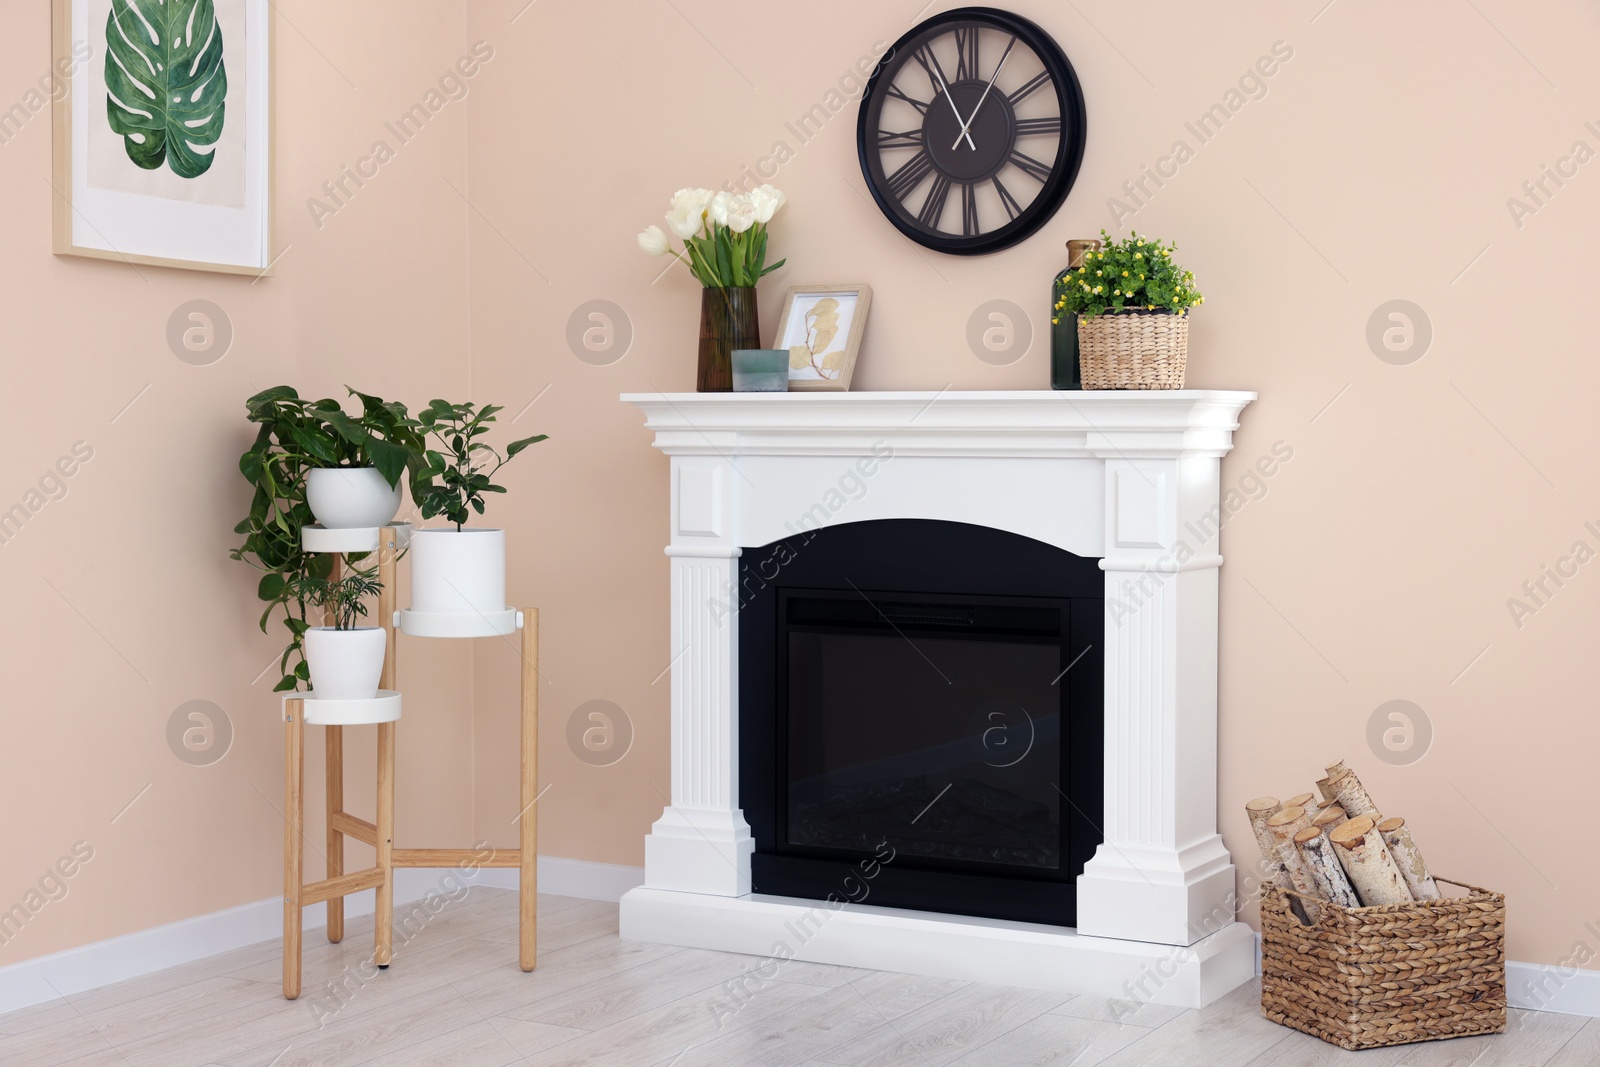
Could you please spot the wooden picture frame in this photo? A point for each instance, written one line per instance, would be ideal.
(108, 207)
(830, 363)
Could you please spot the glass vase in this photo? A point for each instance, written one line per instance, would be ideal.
(1064, 371)
(728, 320)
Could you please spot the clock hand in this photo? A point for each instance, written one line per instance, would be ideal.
(946, 90)
(982, 98)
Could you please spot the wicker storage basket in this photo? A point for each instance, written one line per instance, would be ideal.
(1133, 350)
(1390, 975)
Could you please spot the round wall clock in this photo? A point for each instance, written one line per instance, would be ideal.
(971, 131)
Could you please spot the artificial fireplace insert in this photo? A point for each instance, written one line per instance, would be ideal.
(928, 690)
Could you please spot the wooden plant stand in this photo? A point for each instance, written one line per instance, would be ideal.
(300, 710)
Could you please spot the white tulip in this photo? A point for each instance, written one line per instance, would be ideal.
(767, 201)
(718, 208)
(654, 241)
(741, 214)
(688, 212)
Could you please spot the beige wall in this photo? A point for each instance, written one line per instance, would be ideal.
(1376, 566)
(120, 601)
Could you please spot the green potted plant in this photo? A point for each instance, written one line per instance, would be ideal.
(458, 575)
(296, 438)
(1132, 303)
(725, 247)
(345, 659)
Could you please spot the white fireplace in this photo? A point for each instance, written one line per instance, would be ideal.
(1129, 478)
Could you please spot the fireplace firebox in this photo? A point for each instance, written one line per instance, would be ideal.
(928, 690)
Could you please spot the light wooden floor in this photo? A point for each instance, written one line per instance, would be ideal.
(455, 998)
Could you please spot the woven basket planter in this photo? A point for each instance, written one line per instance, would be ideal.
(1390, 975)
(1133, 350)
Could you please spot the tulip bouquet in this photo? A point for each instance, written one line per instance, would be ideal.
(724, 235)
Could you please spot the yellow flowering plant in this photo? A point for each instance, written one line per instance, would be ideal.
(1136, 274)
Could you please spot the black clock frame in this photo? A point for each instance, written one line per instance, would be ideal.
(1069, 152)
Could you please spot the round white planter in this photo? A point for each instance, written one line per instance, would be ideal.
(351, 498)
(345, 664)
(458, 572)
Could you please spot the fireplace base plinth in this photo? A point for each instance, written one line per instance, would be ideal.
(995, 951)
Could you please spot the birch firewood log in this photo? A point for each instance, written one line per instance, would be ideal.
(1304, 800)
(1336, 769)
(1408, 859)
(1332, 884)
(1260, 810)
(1366, 861)
(1283, 827)
(1325, 787)
(1352, 796)
(1329, 815)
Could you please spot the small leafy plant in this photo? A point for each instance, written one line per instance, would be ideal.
(296, 436)
(460, 468)
(345, 598)
(1137, 274)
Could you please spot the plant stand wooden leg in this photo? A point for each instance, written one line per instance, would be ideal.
(293, 842)
(528, 885)
(335, 775)
(383, 935)
(383, 918)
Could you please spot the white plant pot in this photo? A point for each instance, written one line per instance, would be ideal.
(345, 664)
(351, 498)
(458, 572)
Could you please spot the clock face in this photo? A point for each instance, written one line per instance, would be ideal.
(971, 131)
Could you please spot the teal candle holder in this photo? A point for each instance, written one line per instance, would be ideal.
(760, 370)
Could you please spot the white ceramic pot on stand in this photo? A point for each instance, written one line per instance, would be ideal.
(458, 584)
(345, 664)
(351, 498)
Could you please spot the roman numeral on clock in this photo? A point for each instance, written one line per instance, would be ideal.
(909, 176)
(1013, 209)
(1028, 90)
(967, 52)
(933, 207)
(899, 94)
(1038, 127)
(1029, 166)
(969, 212)
(930, 63)
(894, 139)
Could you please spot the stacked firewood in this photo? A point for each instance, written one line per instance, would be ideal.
(1339, 849)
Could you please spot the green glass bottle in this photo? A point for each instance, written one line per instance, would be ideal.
(1064, 373)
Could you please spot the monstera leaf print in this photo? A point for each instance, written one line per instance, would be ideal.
(166, 85)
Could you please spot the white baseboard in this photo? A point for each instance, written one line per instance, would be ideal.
(90, 966)
(1552, 987)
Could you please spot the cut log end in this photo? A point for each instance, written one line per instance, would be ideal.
(1269, 805)
(1302, 801)
(1287, 816)
(1389, 826)
(1351, 834)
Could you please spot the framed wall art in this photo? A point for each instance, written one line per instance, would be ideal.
(163, 139)
(821, 327)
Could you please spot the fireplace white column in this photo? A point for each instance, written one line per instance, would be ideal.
(701, 843)
(1130, 478)
(1161, 873)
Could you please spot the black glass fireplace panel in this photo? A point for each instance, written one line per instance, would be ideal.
(947, 748)
(849, 740)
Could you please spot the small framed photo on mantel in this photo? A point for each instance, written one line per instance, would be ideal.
(821, 327)
(163, 132)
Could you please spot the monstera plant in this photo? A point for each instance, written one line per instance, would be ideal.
(166, 82)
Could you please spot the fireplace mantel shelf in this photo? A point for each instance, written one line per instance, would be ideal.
(1040, 423)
